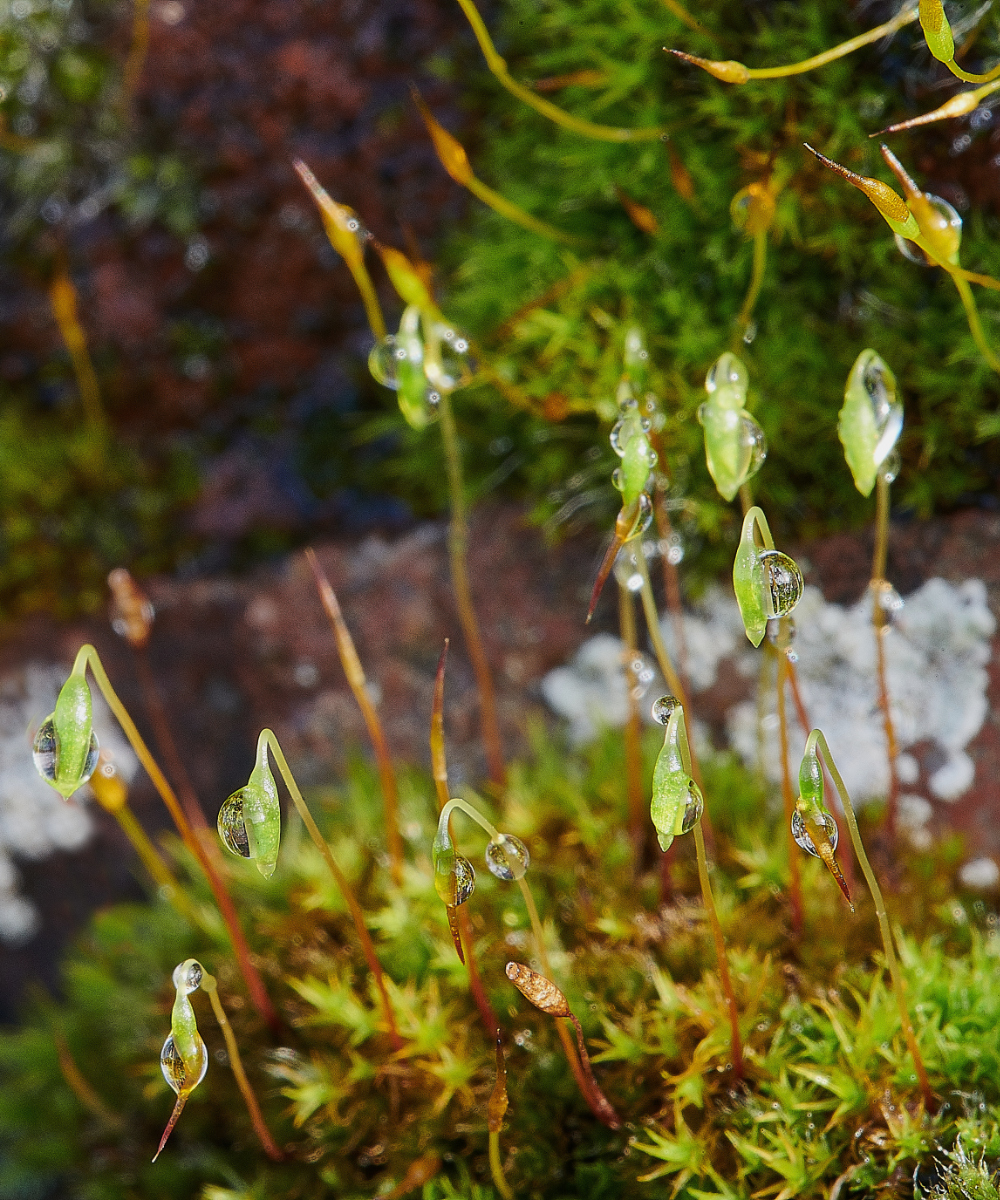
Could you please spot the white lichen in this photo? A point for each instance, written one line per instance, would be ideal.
(936, 653)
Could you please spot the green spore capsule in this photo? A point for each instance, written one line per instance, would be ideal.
(813, 826)
(735, 446)
(871, 418)
(65, 749)
(249, 822)
(767, 582)
(937, 30)
(630, 441)
(184, 1057)
(397, 362)
(454, 875)
(677, 802)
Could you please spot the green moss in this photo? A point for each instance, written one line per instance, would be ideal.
(830, 1087)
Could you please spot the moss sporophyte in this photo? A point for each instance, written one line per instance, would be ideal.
(747, 1043)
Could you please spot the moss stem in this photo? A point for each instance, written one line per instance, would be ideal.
(458, 541)
(88, 656)
(355, 674)
(898, 982)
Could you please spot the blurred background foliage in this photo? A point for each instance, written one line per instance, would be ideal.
(228, 341)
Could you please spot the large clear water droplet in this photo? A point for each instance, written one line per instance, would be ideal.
(886, 408)
(452, 367)
(663, 708)
(465, 879)
(727, 371)
(232, 827)
(644, 517)
(754, 444)
(948, 222)
(801, 834)
(783, 582)
(384, 360)
(627, 569)
(173, 1068)
(507, 857)
(618, 479)
(615, 438)
(45, 753)
(187, 978)
(890, 467)
(694, 806)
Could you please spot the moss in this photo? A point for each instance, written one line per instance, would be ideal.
(830, 1091)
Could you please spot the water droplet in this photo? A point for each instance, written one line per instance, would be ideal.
(187, 976)
(433, 400)
(628, 404)
(693, 808)
(644, 518)
(754, 444)
(782, 582)
(627, 570)
(910, 250)
(383, 361)
(749, 333)
(173, 1068)
(618, 479)
(232, 827)
(615, 438)
(450, 368)
(45, 753)
(781, 632)
(645, 424)
(507, 857)
(702, 412)
(465, 879)
(663, 708)
(801, 834)
(891, 466)
(727, 371)
(886, 408)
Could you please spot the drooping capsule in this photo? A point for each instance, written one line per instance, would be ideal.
(735, 445)
(630, 441)
(871, 418)
(767, 582)
(507, 857)
(677, 802)
(454, 875)
(65, 748)
(813, 826)
(184, 1057)
(249, 822)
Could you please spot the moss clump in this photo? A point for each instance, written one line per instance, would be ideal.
(830, 1092)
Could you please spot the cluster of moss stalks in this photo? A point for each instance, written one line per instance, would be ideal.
(830, 1102)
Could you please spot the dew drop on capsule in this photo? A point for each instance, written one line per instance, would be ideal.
(384, 359)
(232, 826)
(173, 1068)
(507, 857)
(645, 517)
(187, 978)
(782, 582)
(890, 466)
(694, 806)
(801, 834)
(465, 879)
(886, 408)
(663, 708)
(45, 753)
(754, 444)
